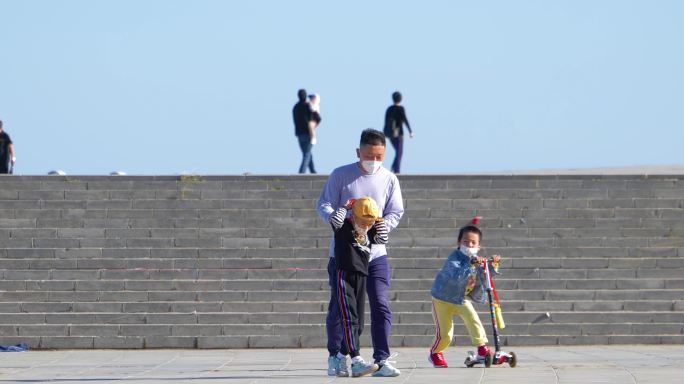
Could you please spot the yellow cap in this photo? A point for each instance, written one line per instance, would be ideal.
(366, 208)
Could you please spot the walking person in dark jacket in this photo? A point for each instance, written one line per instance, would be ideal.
(395, 118)
(302, 115)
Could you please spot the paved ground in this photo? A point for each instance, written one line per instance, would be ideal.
(538, 365)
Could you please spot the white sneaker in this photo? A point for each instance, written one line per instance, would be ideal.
(342, 367)
(332, 365)
(386, 370)
(363, 368)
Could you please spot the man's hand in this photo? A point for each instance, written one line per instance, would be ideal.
(14, 160)
(381, 232)
(349, 203)
(337, 217)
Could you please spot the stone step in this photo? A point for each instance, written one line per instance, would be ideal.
(553, 257)
(318, 330)
(32, 281)
(315, 341)
(424, 245)
(66, 293)
(151, 269)
(267, 222)
(229, 203)
(123, 279)
(118, 224)
(519, 268)
(217, 236)
(558, 317)
(129, 228)
(528, 319)
(457, 201)
(560, 294)
(318, 306)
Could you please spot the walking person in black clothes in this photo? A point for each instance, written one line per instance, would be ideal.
(395, 118)
(7, 156)
(302, 116)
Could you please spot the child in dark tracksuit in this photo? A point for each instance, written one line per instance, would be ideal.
(353, 241)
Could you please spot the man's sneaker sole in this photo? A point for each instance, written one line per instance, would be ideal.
(382, 372)
(370, 370)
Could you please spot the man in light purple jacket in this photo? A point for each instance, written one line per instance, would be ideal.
(366, 177)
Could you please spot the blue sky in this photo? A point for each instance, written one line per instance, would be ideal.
(207, 87)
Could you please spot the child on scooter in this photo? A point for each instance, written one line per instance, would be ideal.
(460, 281)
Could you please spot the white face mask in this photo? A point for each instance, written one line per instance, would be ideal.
(472, 252)
(371, 166)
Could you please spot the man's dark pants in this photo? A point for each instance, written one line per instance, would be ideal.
(377, 288)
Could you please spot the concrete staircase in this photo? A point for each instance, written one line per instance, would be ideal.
(239, 261)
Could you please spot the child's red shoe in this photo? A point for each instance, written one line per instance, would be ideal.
(437, 360)
(483, 350)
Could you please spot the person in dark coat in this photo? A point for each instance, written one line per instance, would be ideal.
(395, 118)
(302, 116)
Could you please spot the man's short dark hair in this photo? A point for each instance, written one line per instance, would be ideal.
(301, 94)
(469, 228)
(372, 136)
(396, 97)
(0, 124)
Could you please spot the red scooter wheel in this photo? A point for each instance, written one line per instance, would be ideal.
(513, 361)
(488, 360)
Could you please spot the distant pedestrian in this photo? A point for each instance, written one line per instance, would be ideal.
(395, 118)
(315, 104)
(7, 157)
(302, 116)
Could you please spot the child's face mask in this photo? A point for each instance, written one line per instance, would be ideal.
(470, 244)
(472, 252)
